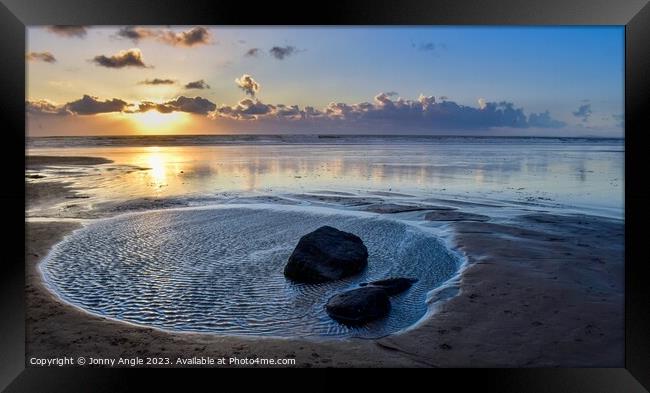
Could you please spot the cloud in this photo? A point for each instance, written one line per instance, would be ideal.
(41, 56)
(135, 34)
(196, 105)
(157, 81)
(125, 58)
(193, 37)
(44, 107)
(68, 31)
(146, 106)
(245, 109)
(200, 84)
(248, 84)
(280, 52)
(583, 112)
(252, 52)
(544, 120)
(384, 112)
(89, 105)
(429, 46)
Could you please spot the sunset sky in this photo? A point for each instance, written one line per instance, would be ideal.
(566, 81)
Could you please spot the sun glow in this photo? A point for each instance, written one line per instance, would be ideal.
(156, 122)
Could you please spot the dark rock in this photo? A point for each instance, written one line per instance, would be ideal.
(326, 254)
(358, 306)
(392, 286)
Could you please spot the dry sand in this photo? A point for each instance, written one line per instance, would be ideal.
(542, 290)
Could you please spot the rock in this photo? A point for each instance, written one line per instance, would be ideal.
(326, 254)
(358, 306)
(392, 286)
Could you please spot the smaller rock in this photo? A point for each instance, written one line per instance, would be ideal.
(392, 286)
(358, 306)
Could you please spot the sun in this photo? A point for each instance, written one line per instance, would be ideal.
(156, 122)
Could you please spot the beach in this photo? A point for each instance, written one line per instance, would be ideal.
(541, 280)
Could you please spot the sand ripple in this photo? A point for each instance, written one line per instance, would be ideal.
(220, 270)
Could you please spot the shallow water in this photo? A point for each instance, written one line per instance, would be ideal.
(220, 270)
(586, 174)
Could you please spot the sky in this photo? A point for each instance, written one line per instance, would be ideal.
(443, 80)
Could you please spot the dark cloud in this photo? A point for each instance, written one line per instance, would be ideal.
(125, 58)
(41, 56)
(196, 105)
(146, 106)
(193, 37)
(281, 52)
(135, 33)
(583, 112)
(252, 52)
(68, 31)
(89, 105)
(200, 84)
(248, 84)
(157, 81)
(44, 107)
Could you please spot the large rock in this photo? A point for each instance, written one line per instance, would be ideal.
(392, 286)
(326, 254)
(358, 306)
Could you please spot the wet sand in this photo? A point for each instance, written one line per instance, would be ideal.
(40, 161)
(539, 290)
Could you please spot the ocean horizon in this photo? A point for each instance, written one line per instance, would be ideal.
(225, 139)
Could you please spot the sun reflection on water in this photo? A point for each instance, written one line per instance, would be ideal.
(169, 171)
(158, 164)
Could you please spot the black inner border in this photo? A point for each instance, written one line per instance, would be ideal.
(634, 14)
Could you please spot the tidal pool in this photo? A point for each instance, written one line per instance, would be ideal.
(220, 270)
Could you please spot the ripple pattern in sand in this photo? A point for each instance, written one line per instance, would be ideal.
(220, 270)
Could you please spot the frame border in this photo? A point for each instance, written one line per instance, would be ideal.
(15, 15)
